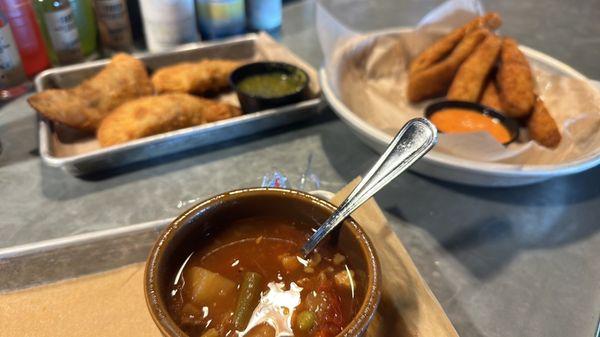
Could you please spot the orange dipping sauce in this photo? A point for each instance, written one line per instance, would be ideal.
(454, 120)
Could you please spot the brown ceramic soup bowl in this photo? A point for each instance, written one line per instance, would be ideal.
(189, 231)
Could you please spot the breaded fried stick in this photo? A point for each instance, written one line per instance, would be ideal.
(470, 78)
(84, 106)
(442, 47)
(542, 127)
(490, 96)
(515, 81)
(434, 81)
(152, 115)
(198, 78)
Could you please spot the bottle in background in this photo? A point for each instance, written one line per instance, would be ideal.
(221, 18)
(13, 81)
(86, 25)
(27, 35)
(264, 15)
(137, 25)
(168, 23)
(113, 24)
(59, 30)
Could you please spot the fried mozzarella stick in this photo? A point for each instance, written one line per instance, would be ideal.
(515, 81)
(490, 97)
(206, 76)
(152, 115)
(434, 81)
(442, 47)
(84, 106)
(470, 78)
(542, 127)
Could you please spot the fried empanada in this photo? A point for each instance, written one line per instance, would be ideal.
(152, 115)
(84, 106)
(199, 78)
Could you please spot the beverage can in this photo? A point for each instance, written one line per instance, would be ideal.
(221, 18)
(263, 14)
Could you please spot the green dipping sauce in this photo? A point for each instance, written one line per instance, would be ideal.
(271, 85)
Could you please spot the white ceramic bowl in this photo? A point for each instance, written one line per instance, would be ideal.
(459, 170)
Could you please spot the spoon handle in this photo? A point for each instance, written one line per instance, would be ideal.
(412, 142)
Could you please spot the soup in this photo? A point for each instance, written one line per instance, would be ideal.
(249, 280)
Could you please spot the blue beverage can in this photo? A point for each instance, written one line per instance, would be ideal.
(263, 15)
(220, 18)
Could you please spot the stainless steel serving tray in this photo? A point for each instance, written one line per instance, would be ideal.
(54, 260)
(85, 159)
(49, 261)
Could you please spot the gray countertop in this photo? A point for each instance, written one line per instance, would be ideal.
(503, 262)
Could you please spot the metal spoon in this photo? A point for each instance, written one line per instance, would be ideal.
(413, 141)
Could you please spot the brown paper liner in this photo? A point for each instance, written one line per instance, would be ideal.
(407, 307)
(107, 304)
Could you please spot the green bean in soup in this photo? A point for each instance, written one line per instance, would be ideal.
(248, 280)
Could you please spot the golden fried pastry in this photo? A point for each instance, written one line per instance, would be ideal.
(152, 115)
(84, 106)
(542, 127)
(470, 78)
(490, 96)
(515, 81)
(206, 76)
(442, 47)
(435, 80)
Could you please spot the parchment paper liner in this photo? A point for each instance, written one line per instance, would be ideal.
(368, 74)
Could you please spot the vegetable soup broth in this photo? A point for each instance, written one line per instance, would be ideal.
(266, 248)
